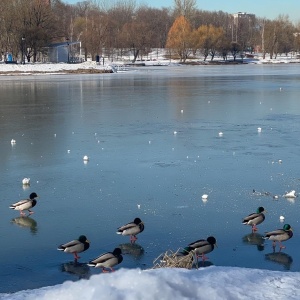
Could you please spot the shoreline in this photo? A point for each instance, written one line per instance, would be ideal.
(58, 72)
(91, 67)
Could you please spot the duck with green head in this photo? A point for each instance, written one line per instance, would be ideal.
(201, 247)
(132, 229)
(279, 235)
(75, 246)
(107, 260)
(255, 218)
(25, 204)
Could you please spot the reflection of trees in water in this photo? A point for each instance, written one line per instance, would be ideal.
(81, 270)
(280, 258)
(255, 239)
(136, 250)
(26, 222)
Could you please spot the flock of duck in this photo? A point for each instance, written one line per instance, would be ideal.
(106, 260)
(279, 235)
(199, 248)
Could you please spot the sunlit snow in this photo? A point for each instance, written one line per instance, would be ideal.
(207, 283)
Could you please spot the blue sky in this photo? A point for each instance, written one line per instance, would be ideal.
(263, 8)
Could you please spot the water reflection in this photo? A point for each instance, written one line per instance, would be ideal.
(255, 239)
(75, 268)
(203, 264)
(24, 221)
(280, 258)
(291, 200)
(136, 250)
(25, 187)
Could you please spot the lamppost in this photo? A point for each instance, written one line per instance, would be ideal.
(68, 50)
(23, 51)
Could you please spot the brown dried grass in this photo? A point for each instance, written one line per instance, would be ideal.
(171, 259)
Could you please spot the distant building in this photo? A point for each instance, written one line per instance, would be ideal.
(242, 16)
(239, 20)
(67, 52)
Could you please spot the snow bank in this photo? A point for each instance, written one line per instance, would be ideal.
(207, 283)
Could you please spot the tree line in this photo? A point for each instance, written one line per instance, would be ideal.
(116, 28)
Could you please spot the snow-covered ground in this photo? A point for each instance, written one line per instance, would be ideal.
(52, 68)
(28, 68)
(207, 283)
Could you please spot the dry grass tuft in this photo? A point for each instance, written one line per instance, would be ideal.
(171, 259)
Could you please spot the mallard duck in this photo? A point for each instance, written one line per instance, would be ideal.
(75, 246)
(279, 235)
(201, 247)
(255, 218)
(132, 229)
(107, 260)
(25, 204)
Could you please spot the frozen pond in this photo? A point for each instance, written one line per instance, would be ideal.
(154, 148)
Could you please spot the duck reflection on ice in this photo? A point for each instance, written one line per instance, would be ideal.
(255, 239)
(280, 258)
(202, 264)
(24, 221)
(81, 270)
(136, 250)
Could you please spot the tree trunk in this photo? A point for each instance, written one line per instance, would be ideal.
(135, 54)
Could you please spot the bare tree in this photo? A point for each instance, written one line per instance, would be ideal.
(9, 36)
(186, 8)
(285, 35)
(119, 13)
(37, 25)
(235, 48)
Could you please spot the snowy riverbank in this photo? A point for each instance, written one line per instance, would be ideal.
(110, 67)
(207, 283)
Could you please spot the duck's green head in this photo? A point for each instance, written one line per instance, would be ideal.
(287, 227)
(260, 210)
(83, 239)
